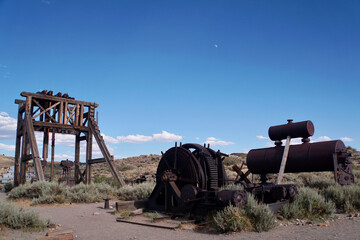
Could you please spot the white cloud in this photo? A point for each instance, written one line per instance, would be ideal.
(64, 157)
(7, 147)
(346, 139)
(134, 138)
(197, 138)
(321, 139)
(214, 141)
(3, 66)
(7, 126)
(262, 137)
(164, 136)
(216, 46)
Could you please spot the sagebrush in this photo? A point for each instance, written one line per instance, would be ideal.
(308, 204)
(15, 217)
(253, 216)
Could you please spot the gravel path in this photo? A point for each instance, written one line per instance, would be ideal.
(91, 221)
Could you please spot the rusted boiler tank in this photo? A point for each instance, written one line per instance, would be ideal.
(305, 157)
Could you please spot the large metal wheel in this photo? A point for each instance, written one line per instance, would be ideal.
(184, 165)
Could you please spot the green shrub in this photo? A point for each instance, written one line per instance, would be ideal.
(253, 216)
(125, 167)
(308, 204)
(59, 199)
(346, 198)
(232, 219)
(107, 180)
(49, 192)
(136, 192)
(232, 187)
(15, 217)
(1, 187)
(321, 183)
(37, 190)
(8, 187)
(260, 215)
(229, 161)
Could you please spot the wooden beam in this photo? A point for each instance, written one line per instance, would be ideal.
(52, 168)
(105, 151)
(88, 157)
(53, 98)
(25, 150)
(81, 114)
(27, 157)
(33, 145)
(82, 138)
(60, 113)
(77, 158)
(283, 160)
(43, 111)
(45, 144)
(17, 161)
(60, 126)
(76, 123)
(96, 160)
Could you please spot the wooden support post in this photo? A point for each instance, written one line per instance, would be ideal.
(88, 157)
(76, 122)
(32, 140)
(45, 153)
(81, 114)
(17, 161)
(283, 161)
(61, 113)
(77, 158)
(52, 170)
(25, 150)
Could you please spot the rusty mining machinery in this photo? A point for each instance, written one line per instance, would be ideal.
(189, 177)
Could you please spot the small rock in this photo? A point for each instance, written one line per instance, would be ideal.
(96, 213)
(309, 222)
(322, 225)
(51, 225)
(136, 212)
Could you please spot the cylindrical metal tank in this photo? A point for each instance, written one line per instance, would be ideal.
(303, 129)
(306, 157)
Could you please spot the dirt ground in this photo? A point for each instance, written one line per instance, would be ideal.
(91, 221)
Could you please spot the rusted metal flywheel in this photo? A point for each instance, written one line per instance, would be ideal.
(191, 176)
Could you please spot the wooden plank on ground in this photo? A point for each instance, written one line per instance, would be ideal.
(59, 232)
(59, 237)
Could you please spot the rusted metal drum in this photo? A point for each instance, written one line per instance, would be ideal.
(306, 157)
(303, 129)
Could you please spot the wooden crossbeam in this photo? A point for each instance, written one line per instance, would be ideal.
(96, 160)
(58, 125)
(43, 110)
(27, 158)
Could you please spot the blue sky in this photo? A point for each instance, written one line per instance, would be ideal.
(215, 71)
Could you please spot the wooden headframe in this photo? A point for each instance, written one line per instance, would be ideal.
(48, 113)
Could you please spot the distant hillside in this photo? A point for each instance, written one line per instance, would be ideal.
(6, 161)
